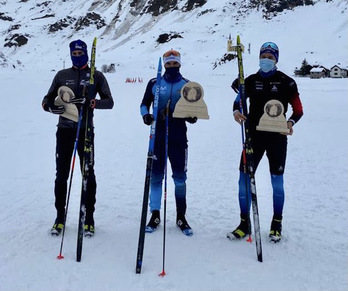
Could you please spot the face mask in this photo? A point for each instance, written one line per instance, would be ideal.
(172, 72)
(79, 61)
(267, 65)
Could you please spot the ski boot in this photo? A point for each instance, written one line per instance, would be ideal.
(89, 228)
(183, 225)
(243, 229)
(154, 222)
(57, 227)
(275, 233)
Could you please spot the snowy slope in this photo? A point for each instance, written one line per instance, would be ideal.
(313, 254)
(316, 32)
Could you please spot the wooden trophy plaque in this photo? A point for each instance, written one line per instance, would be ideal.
(273, 118)
(65, 94)
(191, 103)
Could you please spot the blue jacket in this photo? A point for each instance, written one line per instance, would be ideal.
(169, 90)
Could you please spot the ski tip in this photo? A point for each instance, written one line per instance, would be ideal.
(162, 274)
(238, 39)
(138, 267)
(60, 257)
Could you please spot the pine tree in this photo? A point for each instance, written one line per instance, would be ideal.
(305, 68)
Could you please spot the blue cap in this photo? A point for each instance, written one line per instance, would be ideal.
(79, 61)
(270, 47)
(78, 45)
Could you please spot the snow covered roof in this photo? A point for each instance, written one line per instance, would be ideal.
(317, 70)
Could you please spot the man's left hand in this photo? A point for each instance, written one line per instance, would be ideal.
(78, 101)
(191, 119)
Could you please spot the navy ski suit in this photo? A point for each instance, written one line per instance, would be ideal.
(177, 141)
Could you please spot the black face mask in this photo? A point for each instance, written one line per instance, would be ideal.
(172, 73)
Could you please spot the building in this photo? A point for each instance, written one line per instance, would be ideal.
(317, 73)
(336, 72)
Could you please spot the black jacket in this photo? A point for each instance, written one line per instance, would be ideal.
(261, 89)
(75, 79)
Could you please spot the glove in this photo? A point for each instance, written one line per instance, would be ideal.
(78, 101)
(54, 108)
(235, 85)
(148, 118)
(191, 120)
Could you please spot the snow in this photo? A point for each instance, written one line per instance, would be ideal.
(313, 254)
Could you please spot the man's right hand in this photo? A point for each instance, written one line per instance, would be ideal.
(53, 108)
(239, 117)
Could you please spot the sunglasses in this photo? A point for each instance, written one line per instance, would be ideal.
(171, 53)
(271, 45)
(77, 53)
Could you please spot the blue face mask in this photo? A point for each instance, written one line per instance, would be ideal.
(267, 65)
(79, 61)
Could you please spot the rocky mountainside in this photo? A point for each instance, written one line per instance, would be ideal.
(25, 23)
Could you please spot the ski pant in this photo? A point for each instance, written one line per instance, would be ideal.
(65, 143)
(275, 146)
(177, 154)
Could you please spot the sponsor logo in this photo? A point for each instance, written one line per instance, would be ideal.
(274, 88)
(258, 86)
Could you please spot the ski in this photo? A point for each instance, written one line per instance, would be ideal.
(248, 151)
(88, 158)
(149, 162)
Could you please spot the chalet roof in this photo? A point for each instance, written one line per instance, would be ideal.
(317, 70)
(335, 66)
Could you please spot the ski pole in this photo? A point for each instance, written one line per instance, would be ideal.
(163, 273)
(59, 257)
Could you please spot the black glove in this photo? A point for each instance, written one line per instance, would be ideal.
(191, 120)
(235, 85)
(54, 108)
(78, 101)
(148, 118)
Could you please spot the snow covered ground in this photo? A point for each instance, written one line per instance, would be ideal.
(313, 254)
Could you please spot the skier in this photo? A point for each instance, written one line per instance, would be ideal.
(75, 78)
(267, 84)
(171, 84)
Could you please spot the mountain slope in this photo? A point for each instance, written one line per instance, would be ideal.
(37, 33)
